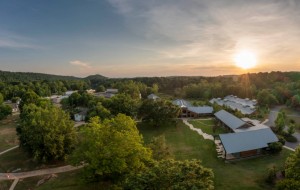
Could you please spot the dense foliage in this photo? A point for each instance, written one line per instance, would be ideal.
(158, 111)
(292, 172)
(170, 174)
(112, 148)
(46, 132)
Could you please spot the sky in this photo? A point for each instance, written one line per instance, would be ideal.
(129, 38)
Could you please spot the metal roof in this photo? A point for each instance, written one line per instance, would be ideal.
(245, 106)
(249, 140)
(201, 109)
(182, 103)
(230, 120)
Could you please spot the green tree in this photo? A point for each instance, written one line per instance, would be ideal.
(291, 128)
(5, 110)
(280, 122)
(112, 148)
(100, 88)
(292, 165)
(288, 184)
(100, 111)
(170, 174)
(123, 103)
(265, 97)
(159, 148)
(158, 111)
(28, 98)
(1, 99)
(46, 133)
(295, 101)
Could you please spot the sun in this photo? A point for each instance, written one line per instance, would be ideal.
(245, 59)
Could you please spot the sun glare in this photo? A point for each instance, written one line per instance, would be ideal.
(245, 59)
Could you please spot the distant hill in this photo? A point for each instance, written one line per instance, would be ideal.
(96, 77)
(7, 76)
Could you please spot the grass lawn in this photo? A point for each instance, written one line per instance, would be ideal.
(63, 181)
(187, 144)
(8, 134)
(207, 126)
(293, 114)
(17, 158)
(5, 184)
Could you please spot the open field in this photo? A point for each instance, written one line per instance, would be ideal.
(8, 134)
(207, 126)
(187, 144)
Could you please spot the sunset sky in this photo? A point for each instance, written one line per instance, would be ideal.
(127, 38)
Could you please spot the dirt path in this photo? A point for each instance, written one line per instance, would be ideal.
(62, 169)
(199, 131)
(5, 151)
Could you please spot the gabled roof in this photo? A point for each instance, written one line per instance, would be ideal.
(182, 103)
(152, 96)
(201, 109)
(245, 106)
(230, 120)
(249, 140)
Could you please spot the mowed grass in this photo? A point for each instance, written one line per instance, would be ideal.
(207, 126)
(18, 160)
(187, 144)
(64, 181)
(5, 184)
(8, 134)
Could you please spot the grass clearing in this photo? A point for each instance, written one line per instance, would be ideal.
(207, 126)
(5, 184)
(8, 134)
(18, 159)
(187, 144)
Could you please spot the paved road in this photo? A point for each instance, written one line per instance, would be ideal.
(272, 117)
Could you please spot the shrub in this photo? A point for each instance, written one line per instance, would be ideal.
(290, 138)
(281, 139)
(275, 147)
(271, 175)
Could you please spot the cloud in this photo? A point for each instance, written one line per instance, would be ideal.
(14, 41)
(209, 31)
(80, 64)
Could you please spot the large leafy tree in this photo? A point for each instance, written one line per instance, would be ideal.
(292, 172)
(46, 132)
(158, 112)
(170, 174)
(292, 165)
(265, 97)
(112, 148)
(98, 110)
(123, 103)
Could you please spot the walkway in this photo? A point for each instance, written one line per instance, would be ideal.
(271, 122)
(5, 151)
(9, 176)
(199, 131)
